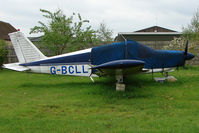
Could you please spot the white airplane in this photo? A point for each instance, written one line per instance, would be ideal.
(116, 59)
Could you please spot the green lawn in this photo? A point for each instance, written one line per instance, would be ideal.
(41, 103)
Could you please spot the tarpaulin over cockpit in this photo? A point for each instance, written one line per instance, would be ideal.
(114, 51)
(133, 50)
(107, 53)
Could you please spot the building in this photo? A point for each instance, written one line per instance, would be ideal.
(155, 36)
(5, 29)
(35, 39)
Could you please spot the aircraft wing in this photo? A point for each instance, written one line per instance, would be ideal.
(119, 67)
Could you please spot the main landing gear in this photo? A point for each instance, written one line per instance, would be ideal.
(120, 86)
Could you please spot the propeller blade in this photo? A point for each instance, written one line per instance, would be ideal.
(186, 48)
(185, 53)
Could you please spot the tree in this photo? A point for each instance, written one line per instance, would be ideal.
(178, 43)
(104, 33)
(57, 34)
(83, 38)
(3, 52)
(62, 33)
(191, 32)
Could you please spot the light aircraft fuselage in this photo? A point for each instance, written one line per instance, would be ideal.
(116, 59)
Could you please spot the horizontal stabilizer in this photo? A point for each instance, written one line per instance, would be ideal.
(16, 67)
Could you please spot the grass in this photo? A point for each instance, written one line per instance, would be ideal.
(48, 103)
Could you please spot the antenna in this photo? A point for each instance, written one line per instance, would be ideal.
(156, 19)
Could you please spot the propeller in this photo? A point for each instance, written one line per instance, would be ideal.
(185, 52)
(186, 48)
(187, 56)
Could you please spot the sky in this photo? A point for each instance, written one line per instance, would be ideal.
(118, 15)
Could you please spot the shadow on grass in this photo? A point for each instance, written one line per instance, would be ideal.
(136, 87)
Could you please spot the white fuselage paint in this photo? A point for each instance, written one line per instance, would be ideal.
(73, 70)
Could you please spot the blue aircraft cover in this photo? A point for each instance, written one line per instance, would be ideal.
(107, 53)
(114, 51)
(133, 50)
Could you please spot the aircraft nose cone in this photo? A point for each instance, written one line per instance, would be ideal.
(189, 56)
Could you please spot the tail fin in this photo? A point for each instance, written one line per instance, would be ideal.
(25, 50)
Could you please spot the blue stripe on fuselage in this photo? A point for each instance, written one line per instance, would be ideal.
(76, 59)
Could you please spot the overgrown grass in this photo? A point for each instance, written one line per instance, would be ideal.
(47, 103)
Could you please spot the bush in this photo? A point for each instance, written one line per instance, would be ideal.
(3, 52)
(179, 44)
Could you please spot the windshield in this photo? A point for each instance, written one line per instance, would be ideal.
(144, 51)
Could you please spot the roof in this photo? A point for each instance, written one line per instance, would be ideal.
(153, 33)
(35, 39)
(150, 33)
(155, 29)
(5, 29)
